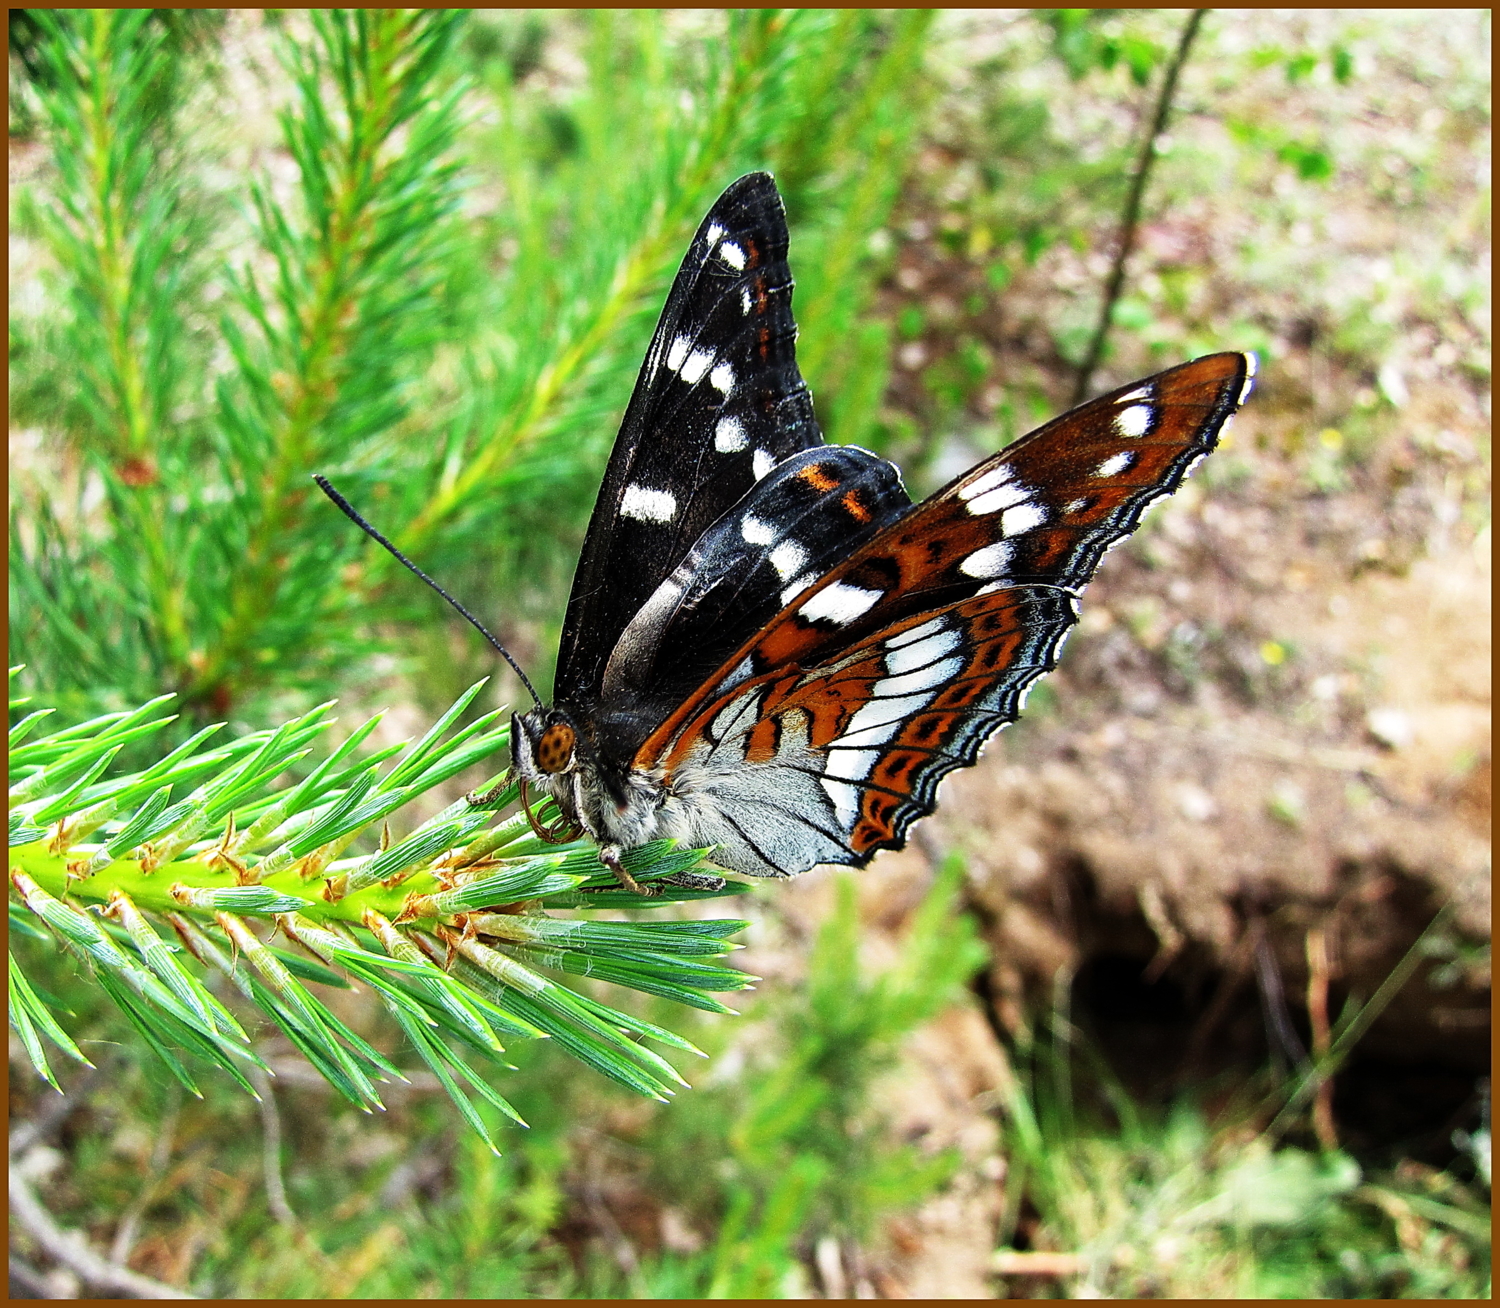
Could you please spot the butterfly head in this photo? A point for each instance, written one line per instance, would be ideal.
(543, 743)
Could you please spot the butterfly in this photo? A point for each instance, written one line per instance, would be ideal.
(769, 650)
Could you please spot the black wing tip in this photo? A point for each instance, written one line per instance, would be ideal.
(752, 191)
(759, 179)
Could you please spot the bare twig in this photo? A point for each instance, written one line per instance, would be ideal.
(270, 1121)
(1354, 1029)
(615, 1239)
(1027, 1262)
(1132, 216)
(130, 1224)
(830, 1262)
(1317, 1013)
(1169, 938)
(72, 1250)
(31, 1282)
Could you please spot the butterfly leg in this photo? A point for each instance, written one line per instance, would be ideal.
(609, 855)
(478, 799)
(693, 881)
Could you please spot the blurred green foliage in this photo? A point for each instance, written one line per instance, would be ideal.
(799, 1155)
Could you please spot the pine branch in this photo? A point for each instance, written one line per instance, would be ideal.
(154, 876)
(348, 318)
(126, 244)
(202, 571)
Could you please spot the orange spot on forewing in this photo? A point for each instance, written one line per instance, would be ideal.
(816, 476)
(855, 507)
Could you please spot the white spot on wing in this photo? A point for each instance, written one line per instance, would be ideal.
(920, 654)
(761, 464)
(1115, 464)
(1139, 393)
(850, 764)
(928, 678)
(695, 365)
(880, 711)
(916, 633)
(732, 255)
(722, 378)
(788, 558)
(757, 532)
(839, 603)
(845, 801)
(714, 232)
(991, 561)
(1003, 497)
(1076, 506)
(745, 302)
(992, 480)
(1022, 518)
(678, 352)
(648, 505)
(795, 587)
(1134, 421)
(729, 436)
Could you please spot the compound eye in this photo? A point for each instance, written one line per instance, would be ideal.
(555, 749)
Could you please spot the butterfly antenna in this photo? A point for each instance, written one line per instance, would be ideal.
(353, 515)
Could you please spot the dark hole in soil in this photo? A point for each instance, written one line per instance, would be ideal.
(1151, 1035)
(1388, 1111)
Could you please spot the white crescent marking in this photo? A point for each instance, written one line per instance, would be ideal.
(925, 678)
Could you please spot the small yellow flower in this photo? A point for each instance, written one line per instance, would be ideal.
(1273, 653)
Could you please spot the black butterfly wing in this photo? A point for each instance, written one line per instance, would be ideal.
(718, 402)
(825, 735)
(799, 521)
